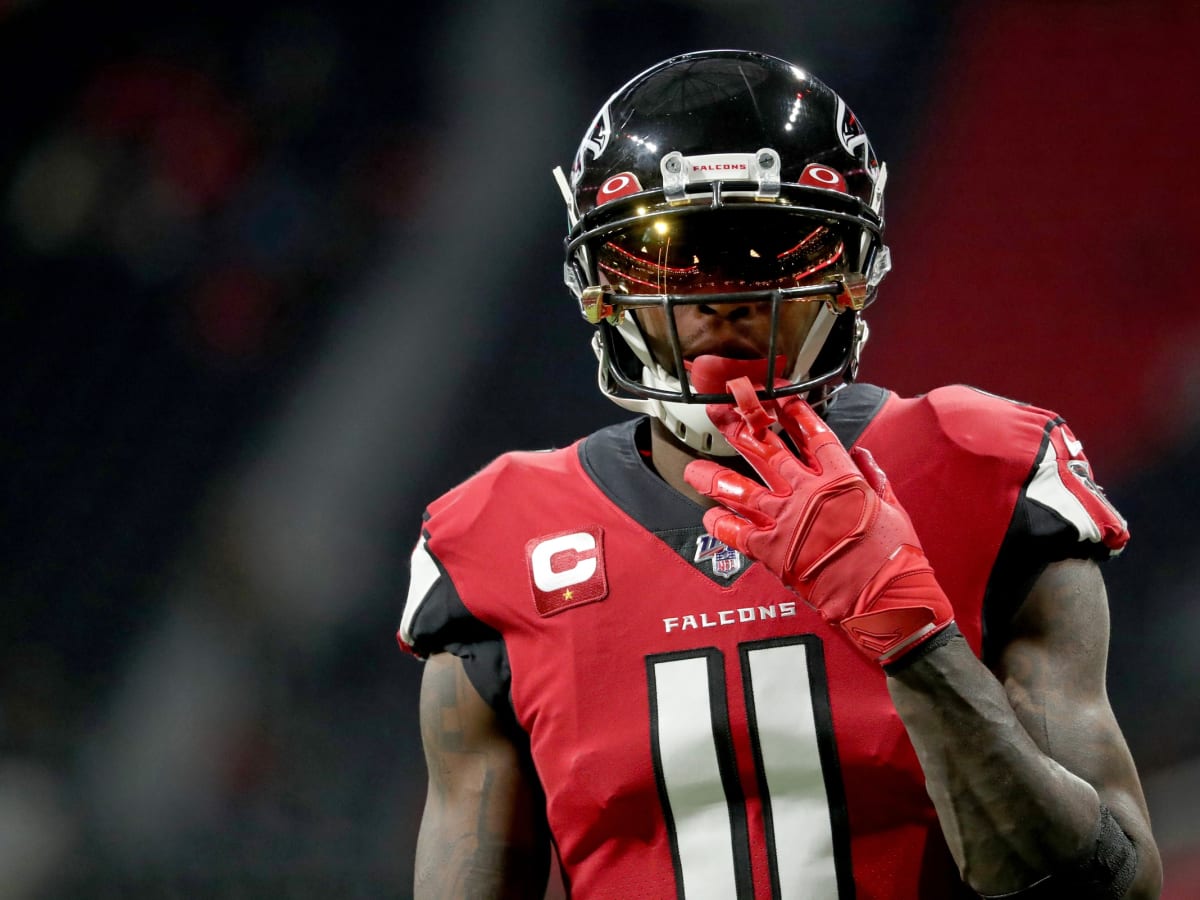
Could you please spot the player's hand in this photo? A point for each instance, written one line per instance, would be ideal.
(827, 523)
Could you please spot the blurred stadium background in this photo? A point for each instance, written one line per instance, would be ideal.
(275, 274)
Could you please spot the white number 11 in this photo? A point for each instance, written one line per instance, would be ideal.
(791, 732)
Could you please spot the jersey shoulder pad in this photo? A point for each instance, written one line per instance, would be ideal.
(435, 620)
(987, 424)
(435, 615)
(489, 492)
(1060, 496)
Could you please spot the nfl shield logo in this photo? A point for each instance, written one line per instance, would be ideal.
(726, 562)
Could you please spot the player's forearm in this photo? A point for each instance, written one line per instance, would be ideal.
(475, 866)
(1010, 814)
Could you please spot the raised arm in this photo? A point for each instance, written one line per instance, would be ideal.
(1033, 783)
(1019, 763)
(483, 832)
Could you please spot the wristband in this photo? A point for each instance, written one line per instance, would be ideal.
(945, 636)
(1104, 873)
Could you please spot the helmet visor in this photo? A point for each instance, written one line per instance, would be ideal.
(723, 250)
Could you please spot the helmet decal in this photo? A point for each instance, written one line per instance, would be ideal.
(717, 165)
(597, 142)
(854, 139)
(620, 185)
(818, 175)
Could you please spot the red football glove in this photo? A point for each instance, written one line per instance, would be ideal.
(827, 523)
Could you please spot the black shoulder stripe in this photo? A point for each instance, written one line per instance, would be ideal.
(443, 617)
(1015, 569)
(1036, 536)
(852, 409)
(445, 624)
(486, 665)
(442, 622)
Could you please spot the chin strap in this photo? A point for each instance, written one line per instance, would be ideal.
(688, 422)
(814, 341)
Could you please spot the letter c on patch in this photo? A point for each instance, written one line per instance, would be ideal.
(562, 561)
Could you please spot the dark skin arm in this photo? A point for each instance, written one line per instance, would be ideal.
(1017, 762)
(483, 832)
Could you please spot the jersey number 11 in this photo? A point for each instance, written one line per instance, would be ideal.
(796, 766)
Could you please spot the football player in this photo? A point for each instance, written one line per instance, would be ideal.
(783, 634)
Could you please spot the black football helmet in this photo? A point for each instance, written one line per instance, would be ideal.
(738, 175)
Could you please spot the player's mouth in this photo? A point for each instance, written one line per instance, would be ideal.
(730, 348)
(711, 374)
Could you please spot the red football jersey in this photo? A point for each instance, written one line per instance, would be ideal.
(700, 731)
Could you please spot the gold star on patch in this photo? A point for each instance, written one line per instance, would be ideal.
(568, 594)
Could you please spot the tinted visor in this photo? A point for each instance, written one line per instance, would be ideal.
(720, 250)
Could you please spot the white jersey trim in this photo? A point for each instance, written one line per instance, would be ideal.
(1048, 489)
(424, 575)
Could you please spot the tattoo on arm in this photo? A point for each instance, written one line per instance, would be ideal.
(1019, 762)
(482, 832)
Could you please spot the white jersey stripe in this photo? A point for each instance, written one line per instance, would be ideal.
(781, 692)
(424, 575)
(692, 778)
(1048, 489)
